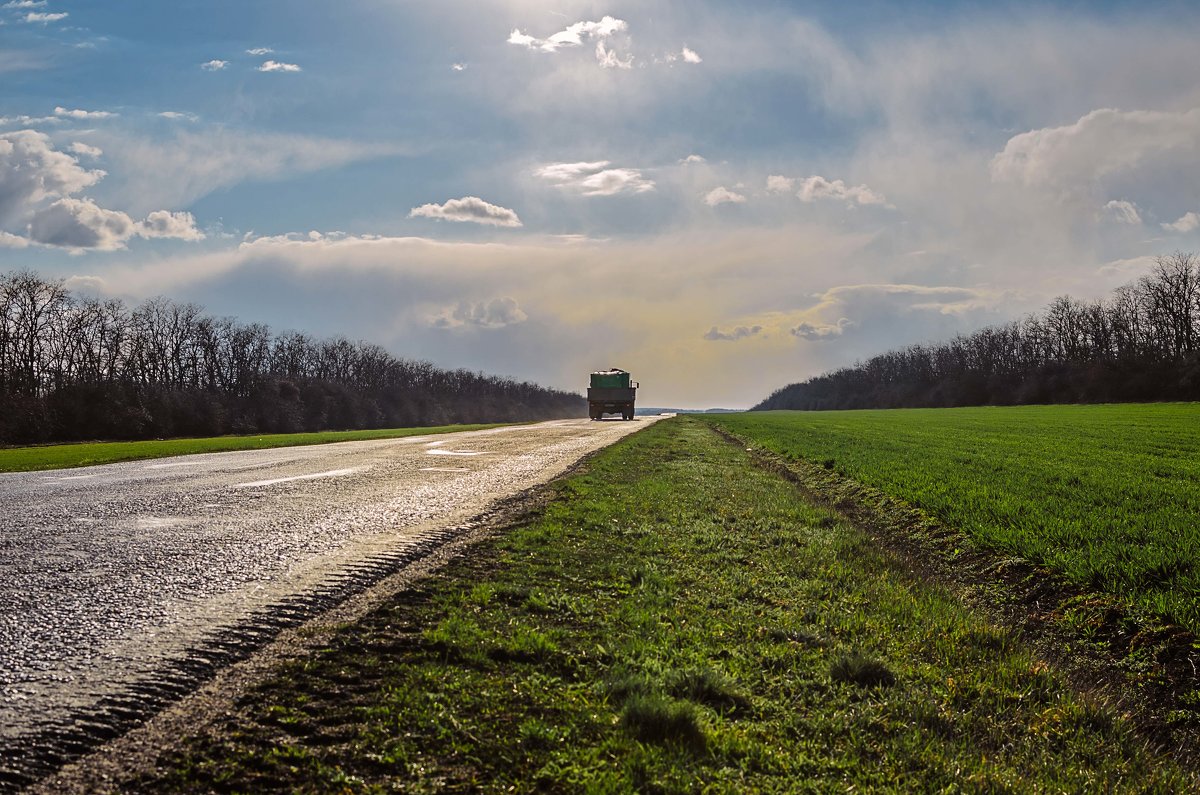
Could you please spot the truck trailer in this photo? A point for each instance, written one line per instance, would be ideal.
(611, 392)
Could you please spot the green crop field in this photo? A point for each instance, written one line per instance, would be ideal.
(61, 456)
(1108, 495)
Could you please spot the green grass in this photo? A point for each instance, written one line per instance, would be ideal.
(1107, 495)
(62, 456)
(676, 620)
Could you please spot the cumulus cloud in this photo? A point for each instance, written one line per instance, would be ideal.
(77, 113)
(496, 313)
(215, 65)
(276, 66)
(693, 160)
(595, 178)
(161, 223)
(723, 195)
(1101, 143)
(1123, 212)
(83, 150)
(575, 35)
(817, 187)
(36, 16)
(468, 208)
(260, 51)
(780, 184)
(714, 334)
(9, 240)
(689, 55)
(1188, 223)
(32, 170)
(458, 67)
(80, 224)
(571, 36)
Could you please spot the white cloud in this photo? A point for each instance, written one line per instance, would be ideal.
(9, 240)
(81, 224)
(35, 16)
(493, 314)
(468, 208)
(595, 178)
(83, 150)
(175, 115)
(690, 56)
(260, 51)
(458, 67)
(1188, 223)
(215, 65)
(693, 160)
(82, 115)
(723, 195)
(1123, 212)
(32, 170)
(817, 187)
(714, 334)
(1102, 143)
(575, 35)
(276, 66)
(161, 223)
(780, 184)
(571, 36)
(24, 4)
(608, 59)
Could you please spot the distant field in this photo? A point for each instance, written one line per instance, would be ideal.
(62, 456)
(1109, 495)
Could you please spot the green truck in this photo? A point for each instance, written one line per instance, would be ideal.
(611, 392)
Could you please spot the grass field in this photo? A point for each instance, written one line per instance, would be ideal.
(61, 456)
(1108, 495)
(677, 620)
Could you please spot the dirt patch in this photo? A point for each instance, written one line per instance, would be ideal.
(1141, 665)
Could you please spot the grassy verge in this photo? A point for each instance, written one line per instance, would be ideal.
(1109, 496)
(62, 456)
(676, 621)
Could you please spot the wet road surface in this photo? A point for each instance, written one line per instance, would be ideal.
(122, 586)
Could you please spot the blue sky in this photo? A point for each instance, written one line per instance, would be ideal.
(721, 198)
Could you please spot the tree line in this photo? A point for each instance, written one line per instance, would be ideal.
(77, 367)
(1142, 343)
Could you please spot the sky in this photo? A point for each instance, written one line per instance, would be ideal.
(722, 198)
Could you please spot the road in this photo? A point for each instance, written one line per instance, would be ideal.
(122, 586)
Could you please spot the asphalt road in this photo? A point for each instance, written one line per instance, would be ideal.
(123, 585)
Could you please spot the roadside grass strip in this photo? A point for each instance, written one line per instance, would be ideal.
(65, 456)
(1109, 496)
(676, 620)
